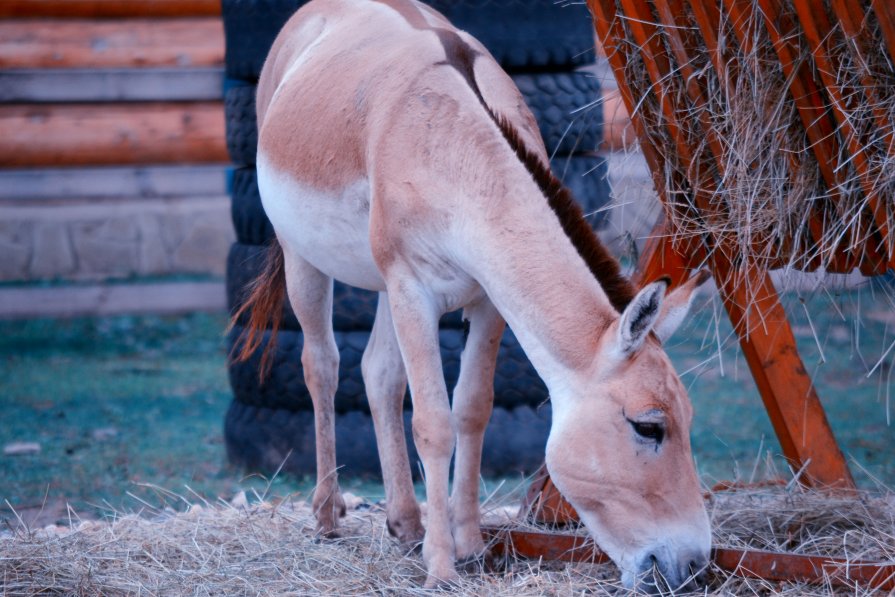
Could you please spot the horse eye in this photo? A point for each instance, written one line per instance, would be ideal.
(651, 431)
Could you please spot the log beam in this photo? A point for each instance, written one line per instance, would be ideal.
(108, 9)
(746, 563)
(111, 44)
(105, 134)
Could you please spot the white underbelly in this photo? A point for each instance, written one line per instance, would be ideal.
(330, 230)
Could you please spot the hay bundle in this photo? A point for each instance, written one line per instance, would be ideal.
(269, 549)
(773, 130)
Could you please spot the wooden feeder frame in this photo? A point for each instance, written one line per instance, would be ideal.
(786, 389)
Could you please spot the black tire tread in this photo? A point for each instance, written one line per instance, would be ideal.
(523, 35)
(241, 127)
(261, 439)
(516, 383)
(567, 108)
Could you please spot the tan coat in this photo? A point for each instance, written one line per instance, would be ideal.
(395, 155)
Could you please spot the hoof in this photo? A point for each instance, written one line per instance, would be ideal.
(328, 510)
(339, 506)
(483, 561)
(408, 533)
(446, 580)
(412, 548)
(328, 524)
(322, 533)
(470, 546)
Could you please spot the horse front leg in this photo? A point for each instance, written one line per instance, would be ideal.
(310, 294)
(386, 381)
(416, 326)
(473, 401)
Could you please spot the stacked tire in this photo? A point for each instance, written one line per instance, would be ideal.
(270, 424)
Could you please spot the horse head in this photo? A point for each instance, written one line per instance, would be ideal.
(619, 449)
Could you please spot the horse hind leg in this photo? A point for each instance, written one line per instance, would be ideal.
(386, 382)
(311, 294)
(472, 405)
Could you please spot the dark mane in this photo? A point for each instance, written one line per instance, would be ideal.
(601, 263)
(461, 56)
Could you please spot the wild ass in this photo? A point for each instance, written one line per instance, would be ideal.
(395, 155)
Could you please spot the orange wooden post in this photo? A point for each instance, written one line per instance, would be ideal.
(544, 503)
(786, 388)
(770, 349)
(747, 563)
(663, 255)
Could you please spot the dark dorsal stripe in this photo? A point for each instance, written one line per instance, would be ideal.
(461, 56)
(458, 54)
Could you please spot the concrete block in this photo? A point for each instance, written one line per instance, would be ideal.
(204, 247)
(80, 300)
(153, 258)
(16, 242)
(106, 247)
(88, 239)
(53, 255)
(173, 230)
(113, 182)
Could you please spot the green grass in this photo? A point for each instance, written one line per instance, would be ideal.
(113, 402)
(841, 336)
(123, 403)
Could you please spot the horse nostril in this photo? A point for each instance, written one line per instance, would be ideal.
(654, 580)
(698, 572)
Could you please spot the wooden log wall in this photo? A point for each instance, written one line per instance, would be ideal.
(80, 84)
(115, 9)
(91, 134)
(121, 43)
(103, 82)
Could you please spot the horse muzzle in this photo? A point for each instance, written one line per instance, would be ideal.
(661, 571)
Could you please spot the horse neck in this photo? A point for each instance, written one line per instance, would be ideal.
(541, 285)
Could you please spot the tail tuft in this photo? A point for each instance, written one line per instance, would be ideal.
(264, 306)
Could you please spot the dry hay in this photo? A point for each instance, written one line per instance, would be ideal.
(752, 162)
(269, 548)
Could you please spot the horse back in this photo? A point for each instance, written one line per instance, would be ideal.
(341, 71)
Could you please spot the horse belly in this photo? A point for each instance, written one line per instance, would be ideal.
(329, 229)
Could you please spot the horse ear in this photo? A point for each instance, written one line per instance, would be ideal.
(677, 305)
(639, 316)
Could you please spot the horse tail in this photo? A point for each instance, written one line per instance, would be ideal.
(264, 305)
